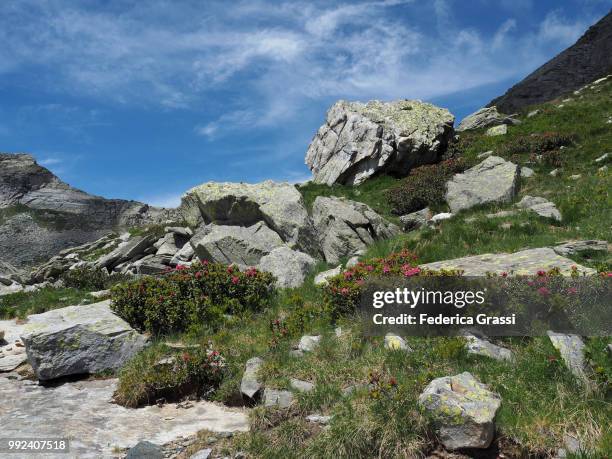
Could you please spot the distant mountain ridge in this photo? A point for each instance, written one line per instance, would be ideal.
(588, 59)
(41, 215)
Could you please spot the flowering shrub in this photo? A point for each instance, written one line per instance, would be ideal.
(152, 375)
(189, 296)
(425, 186)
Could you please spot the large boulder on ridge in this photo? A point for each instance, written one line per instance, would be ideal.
(485, 117)
(279, 205)
(494, 180)
(79, 340)
(360, 140)
(346, 227)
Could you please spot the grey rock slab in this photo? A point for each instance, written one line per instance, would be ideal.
(321, 278)
(290, 267)
(84, 412)
(416, 219)
(183, 255)
(541, 206)
(571, 349)
(440, 217)
(484, 154)
(497, 130)
(576, 247)
(345, 227)
(126, 251)
(279, 205)
(243, 246)
(301, 386)
(11, 355)
(202, 454)
(318, 419)
(145, 450)
(527, 172)
(494, 180)
(309, 343)
(79, 340)
(480, 346)
(484, 117)
(463, 411)
(524, 262)
(359, 140)
(277, 398)
(250, 384)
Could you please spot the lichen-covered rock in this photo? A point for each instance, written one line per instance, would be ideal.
(279, 205)
(576, 247)
(250, 386)
(480, 346)
(541, 206)
(290, 267)
(485, 117)
(497, 130)
(395, 342)
(462, 409)
(345, 227)
(244, 246)
(79, 340)
(524, 262)
(309, 343)
(277, 398)
(494, 180)
(321, 278)
(571, 349)
(359, 140)
(301, 386)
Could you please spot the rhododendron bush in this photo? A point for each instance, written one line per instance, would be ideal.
(186, 296)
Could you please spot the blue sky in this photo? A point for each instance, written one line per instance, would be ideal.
(143, 100)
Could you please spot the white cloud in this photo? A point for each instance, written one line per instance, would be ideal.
(50, 161)
(169, 200)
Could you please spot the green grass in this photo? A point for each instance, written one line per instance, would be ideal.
(22, 304)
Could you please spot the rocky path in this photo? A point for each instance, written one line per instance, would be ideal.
(96, 427)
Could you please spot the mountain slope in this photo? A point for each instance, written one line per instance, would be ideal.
(40, 214)
(588, 59)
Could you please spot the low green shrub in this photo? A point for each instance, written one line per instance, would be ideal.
(185, 297)
(425, 186)
(536, 144)
(91, 279)
(154, 374)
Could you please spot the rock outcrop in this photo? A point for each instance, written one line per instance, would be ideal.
(43, 215)
(494, 180)
(463, 411)
(346, 227)
(279, 205)
(485, 117)
(588, 59)
(525, 262)
(288, 266)
(541, 206)
(79, 340)
(360, 140)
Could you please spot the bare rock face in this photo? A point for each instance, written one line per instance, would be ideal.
(79, 340)
(45, 215)
(279, 205)
(347, 227)
(360, 140)
(588, 59)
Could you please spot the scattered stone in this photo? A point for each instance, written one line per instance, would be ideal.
(202, 454)
(497, 130)
(575, 247)
(126, 251)
(603, 169)
(494, 180)
(533, 113)
(277, 398)
(479, 346)
(350, 389)
(575, 176)
(463, 411)
(440, 217)
(540, 206)
(318, 419)
(602, 158)
(345, 227)
(526, 172)
(571, 348)
(184, 255)
(280, 205)
(415, 220)
(79, 340)
(395, 342)
(321, 278)
(288, 266)
(309, 343)
(353, 261)
(485, 154)
(555, 172)
(502, 214)
(525, 262)
(301, 386)
(360, 140)
(244, 246)
(485, 117)
(250, 385)
(100, 294)
(145, 450)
